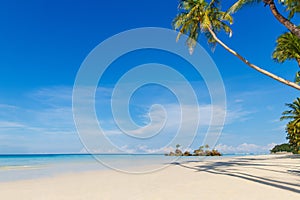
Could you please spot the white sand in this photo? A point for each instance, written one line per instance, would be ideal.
(255, 177)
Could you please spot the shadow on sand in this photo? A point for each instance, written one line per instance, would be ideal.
(235, 168)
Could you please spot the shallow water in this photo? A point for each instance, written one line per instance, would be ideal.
(20, 167)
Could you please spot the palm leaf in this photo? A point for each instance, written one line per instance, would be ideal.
(287, 48)
(297, 78)
(292, 6)
(198, 16)
(241, 3)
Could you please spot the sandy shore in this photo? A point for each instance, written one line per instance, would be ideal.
(251, 177)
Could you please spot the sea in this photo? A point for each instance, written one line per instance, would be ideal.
(24, 167)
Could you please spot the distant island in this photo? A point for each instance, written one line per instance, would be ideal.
(201, 151)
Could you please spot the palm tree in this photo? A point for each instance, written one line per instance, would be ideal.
(294, 113)
(293, 127)
(293, 136)
(287, 48)
(196, 16)
(291, 5)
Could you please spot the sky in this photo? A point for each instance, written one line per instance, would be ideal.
(44, 44)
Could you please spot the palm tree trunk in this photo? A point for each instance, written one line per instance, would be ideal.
(287, 23)
(289, 83)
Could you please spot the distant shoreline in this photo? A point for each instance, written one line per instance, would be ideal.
(118, 154)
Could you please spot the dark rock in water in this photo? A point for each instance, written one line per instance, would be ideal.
(171, 154)
(187, 153)
(197, 152)
(178, 152)
(215, 152)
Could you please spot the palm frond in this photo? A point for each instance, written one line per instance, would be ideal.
(287, 48)
(294, 111)
(240, 4)
(292, 6)
(297, 78)
(199, 16)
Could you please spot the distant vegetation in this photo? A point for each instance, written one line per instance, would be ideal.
(293, 126)
(201, 151)
(281, 148)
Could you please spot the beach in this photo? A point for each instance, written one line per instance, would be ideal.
(247, 177)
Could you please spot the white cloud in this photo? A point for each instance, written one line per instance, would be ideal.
(146, 149)
(62, 116)
(173, 121)
(244, 148)
(53, 114)
(8, 124)
(6, 106)
(186, 115)
(238, 100)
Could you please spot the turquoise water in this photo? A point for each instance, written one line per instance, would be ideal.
(20, 167)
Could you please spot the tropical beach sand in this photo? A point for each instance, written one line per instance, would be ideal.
(251, 177)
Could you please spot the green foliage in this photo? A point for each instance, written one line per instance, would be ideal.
(287, 48)
(291, 6)
(297, 78)
(293, 135)
(240, 4)
(294, 112)
(282, 147)
(293, 127)
(198, 16)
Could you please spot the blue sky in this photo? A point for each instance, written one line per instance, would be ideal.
(43, 44)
